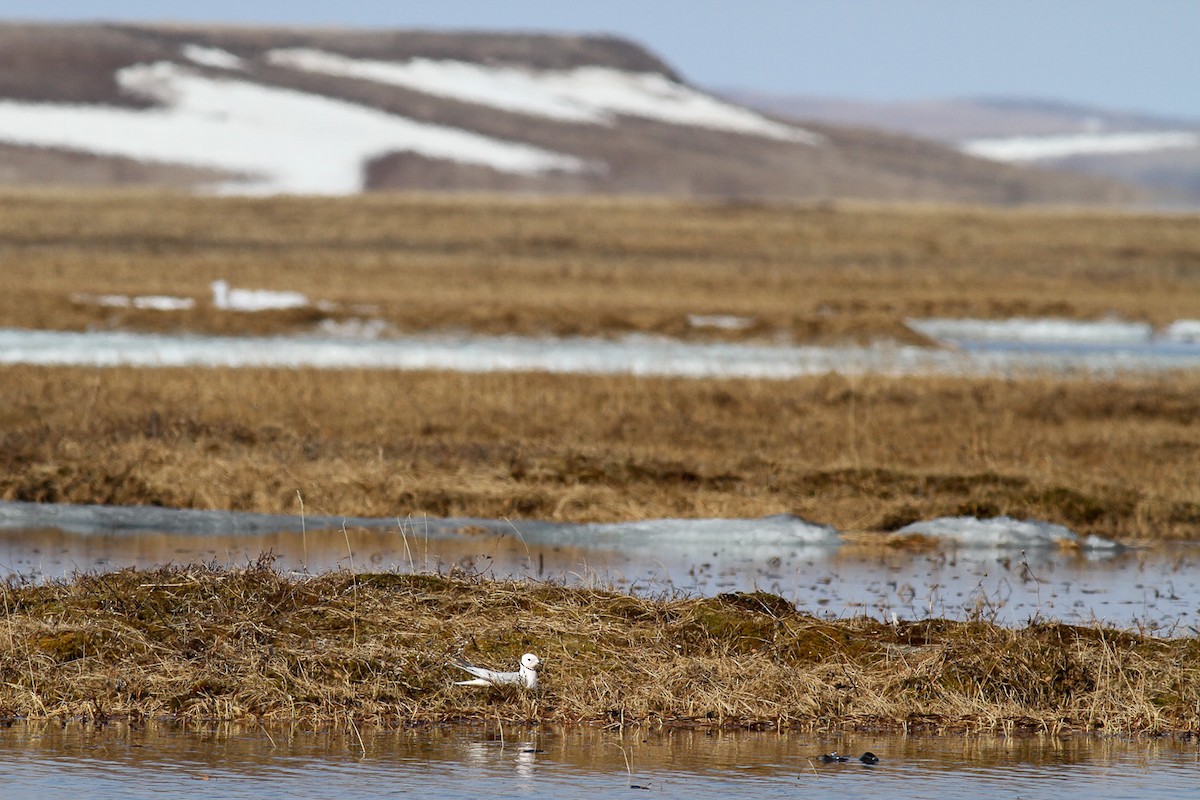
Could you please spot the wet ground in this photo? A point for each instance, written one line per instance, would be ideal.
(1153, 589)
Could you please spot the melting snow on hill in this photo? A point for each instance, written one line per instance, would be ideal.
(212, 57)
(584, 94)
(1036, 148)
(286, 141)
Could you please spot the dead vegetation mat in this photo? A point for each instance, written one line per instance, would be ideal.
(205, 643)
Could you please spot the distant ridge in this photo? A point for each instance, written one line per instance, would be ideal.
(1159, 155)
(331, 111)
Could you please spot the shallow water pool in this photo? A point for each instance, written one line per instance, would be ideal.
(1156, 589)
(51, 761)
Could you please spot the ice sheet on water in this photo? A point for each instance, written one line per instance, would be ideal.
(1020, 329)
(1183, 330)
(634, 355)
(131, 519)
(773, 531)
(778, 529)
(355, 328)
(1004, 532)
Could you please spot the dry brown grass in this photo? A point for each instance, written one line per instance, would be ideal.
(586, 266)
(1118, 458)
(201, 643)
(1109, 457)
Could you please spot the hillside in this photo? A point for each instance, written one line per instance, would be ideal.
(262, 111)
(1159, 155)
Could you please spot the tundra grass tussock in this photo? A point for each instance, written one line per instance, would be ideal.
(202, 643)
(1118, 458)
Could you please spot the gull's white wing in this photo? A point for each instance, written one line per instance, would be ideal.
(486, 677)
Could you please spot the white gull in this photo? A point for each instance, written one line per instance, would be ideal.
(525, 676)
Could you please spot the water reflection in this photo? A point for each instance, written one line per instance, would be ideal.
(52, 761)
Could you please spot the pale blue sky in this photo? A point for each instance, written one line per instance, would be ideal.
(1140, 55)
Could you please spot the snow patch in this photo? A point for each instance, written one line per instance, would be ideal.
(212, 57)
(152, 301)
(593, 94)
(724, 322)
(1184, 330)
(354, 328)
(227, 298)
(1036, 148)
(285, 141)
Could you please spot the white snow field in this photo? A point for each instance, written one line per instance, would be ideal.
(584, 94)
(284, 141)
(1037, 148)
(212, 57)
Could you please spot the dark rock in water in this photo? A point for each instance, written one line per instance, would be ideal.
(833, 758)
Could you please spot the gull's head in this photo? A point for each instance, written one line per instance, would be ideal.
(528, 671)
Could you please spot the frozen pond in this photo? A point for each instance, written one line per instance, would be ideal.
(970, 350)
(50, 762)
(1008, 571)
